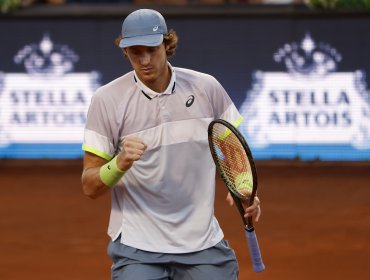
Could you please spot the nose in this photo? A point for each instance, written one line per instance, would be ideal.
(145, 58)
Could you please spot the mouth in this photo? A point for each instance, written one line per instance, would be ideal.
(147, 70)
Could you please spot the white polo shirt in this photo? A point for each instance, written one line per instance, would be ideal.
(165, 201)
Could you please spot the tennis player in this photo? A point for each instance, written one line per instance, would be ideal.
(146, 143)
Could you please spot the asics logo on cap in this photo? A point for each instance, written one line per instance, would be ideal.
(155, 28)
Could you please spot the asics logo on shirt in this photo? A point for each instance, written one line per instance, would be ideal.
(190, 101)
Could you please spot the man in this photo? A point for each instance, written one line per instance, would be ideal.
(146, 142)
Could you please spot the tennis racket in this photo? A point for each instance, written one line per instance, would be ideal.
(234, 161)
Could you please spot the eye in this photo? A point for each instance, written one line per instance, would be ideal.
(133, 51)
(153, 49)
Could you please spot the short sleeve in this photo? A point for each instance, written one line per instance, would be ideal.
(98, 136)
(223, 106)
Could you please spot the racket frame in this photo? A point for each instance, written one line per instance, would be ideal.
(250, 234)
(237, 197)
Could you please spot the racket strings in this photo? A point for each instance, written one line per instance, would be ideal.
(232, 160)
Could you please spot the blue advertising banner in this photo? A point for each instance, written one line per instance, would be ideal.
(300, 83)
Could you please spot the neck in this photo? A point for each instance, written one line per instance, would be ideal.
(162, 82)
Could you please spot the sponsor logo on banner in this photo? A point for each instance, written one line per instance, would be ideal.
(309, 105)
(48, 103)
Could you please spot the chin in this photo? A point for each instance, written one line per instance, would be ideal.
(148, 78)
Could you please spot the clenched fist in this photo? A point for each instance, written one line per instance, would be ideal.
(132, 150)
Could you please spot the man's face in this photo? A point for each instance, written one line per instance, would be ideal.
(149, 63)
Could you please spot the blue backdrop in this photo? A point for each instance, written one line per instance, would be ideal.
(300, 83)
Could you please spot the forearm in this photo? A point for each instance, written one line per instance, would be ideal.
(99, 176)
(92, 184)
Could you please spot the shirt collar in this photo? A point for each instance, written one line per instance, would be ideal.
(149, 93)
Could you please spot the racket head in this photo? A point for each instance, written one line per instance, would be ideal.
(233, 159)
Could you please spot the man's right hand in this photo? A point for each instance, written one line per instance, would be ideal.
(132, 150)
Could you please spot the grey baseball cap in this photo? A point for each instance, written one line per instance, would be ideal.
(143, 27)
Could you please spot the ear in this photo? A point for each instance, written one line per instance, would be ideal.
(124, 52)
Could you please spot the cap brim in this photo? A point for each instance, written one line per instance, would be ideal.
(152, 40)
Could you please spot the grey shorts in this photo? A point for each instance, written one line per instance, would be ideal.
(216, 263)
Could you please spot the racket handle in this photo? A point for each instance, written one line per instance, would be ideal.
(254, 250)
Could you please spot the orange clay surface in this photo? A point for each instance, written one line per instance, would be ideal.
(315, 222)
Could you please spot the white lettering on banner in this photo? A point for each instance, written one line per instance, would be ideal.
(49, 103)
(308, 104)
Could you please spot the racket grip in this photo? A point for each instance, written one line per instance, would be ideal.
(254, 250)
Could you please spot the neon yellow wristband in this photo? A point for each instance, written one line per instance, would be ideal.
(110, 174)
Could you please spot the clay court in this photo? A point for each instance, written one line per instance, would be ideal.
(315, 222)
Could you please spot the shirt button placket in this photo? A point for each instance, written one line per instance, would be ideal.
(162, 105)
